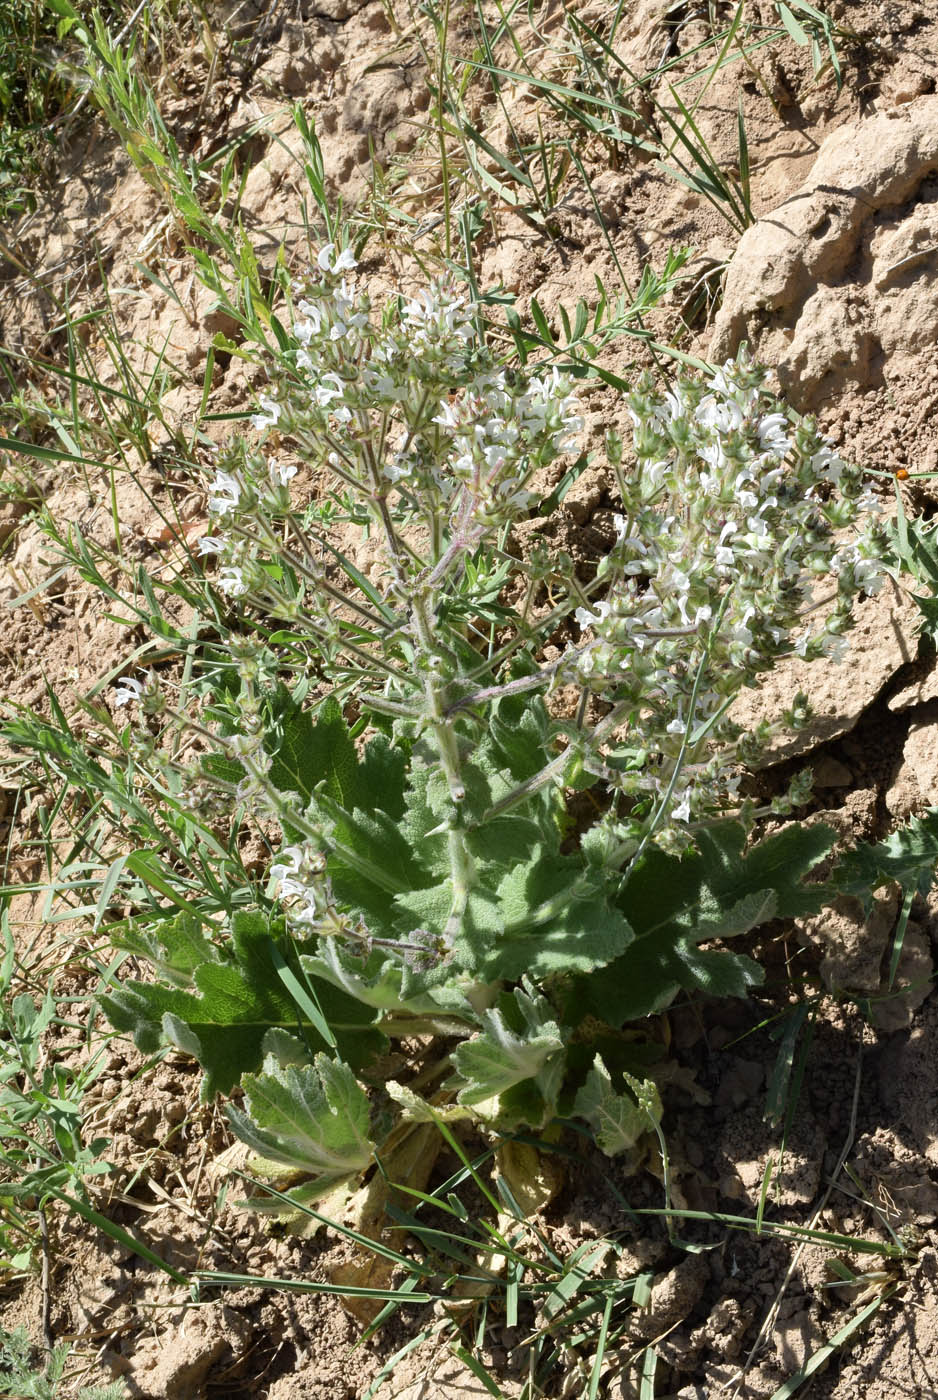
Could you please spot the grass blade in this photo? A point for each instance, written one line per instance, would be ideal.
(646, 1390)
(481, 1375)
(795, 30)
(292, 1285)
(824, 1353)
(900, 935)
(118, 1234)
(304, 999)
(597, 1367)
(108, 886)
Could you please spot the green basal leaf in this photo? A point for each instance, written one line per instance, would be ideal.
(558, 918)
(520, 733)
(513, 1069)
(286, 1048)
(369, 858)
(618, 1120)
(915, 544)
(312, 1117)
(175, 946)
(317, 755)
(388, 984)
(418, 1110)
(313, 752)
(674, 903)
(235, 1002)
(531, 910)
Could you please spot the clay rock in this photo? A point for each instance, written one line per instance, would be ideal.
(283, 161)
(882, 641)
(915, 786)
(176, 1364)
(855, 947)
(380, 107)
(845, 270)
(642, 36)
(291, 67)
(338, 10)
(673, 1295)
(907, 1082)
(853, 944)
(446, 1379)
(918, 692)
(831, 773)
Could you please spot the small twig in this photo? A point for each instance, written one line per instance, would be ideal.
(546, 674)
(45, 1315)
(516, 687)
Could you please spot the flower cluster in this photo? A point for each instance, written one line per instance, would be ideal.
(744, 538)
(301, 885)
(497, 437)
(409, 406)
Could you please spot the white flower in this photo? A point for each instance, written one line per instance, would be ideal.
(311, 324)
(722, 379)
(346, 317)
(329, 387)
(129, 689)
(286, 869)
(724, 417)
(589, 619)
(211, 544)
(227, 493)
(298, 879)
(869, 576)
(772, 437)
(712, 453)
(328, 262)
(866, 573)
(448, 417)
(268, 417)
(231, 581)
(279, 475)
(836, 647)
(827, 466)
(399, 466)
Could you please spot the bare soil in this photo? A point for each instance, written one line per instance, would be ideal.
(836, 286)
